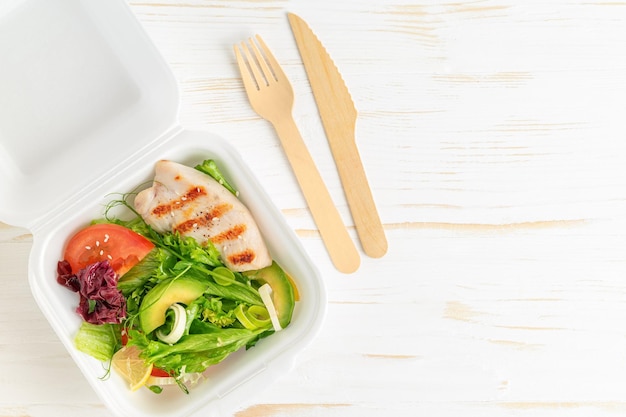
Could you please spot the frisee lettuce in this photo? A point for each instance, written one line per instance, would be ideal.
(210, 168)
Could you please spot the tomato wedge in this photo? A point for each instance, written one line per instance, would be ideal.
(158, 372)
(122, 247)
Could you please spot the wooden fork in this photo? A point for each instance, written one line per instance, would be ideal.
(271, 96)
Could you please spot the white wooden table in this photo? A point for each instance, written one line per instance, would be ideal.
(494, 137)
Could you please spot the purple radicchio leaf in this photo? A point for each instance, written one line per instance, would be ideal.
(100, 299)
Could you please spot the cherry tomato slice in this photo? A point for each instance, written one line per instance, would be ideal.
(159, 372)
(122, 247)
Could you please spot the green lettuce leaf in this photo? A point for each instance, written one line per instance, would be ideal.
(210, 168)
(194, 352)
(98, 340)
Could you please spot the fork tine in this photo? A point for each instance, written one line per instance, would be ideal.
(259, 76)
(248, 78)
(277, 70)
(261, 59)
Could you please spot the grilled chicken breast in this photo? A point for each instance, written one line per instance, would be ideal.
(185, 200)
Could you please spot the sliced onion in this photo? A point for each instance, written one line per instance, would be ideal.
(253, 317)
(258, 315)
(160, 380)
(243, 318)
(223, 276)
(265, 291)
(178, 328)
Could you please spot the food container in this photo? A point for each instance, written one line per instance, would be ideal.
(87, 106)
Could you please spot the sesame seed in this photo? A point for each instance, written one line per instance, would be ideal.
(184, 198)
(97, 243)
(237, 193)
(88, 247)
(214, 219)
(110, 257)
(106, 238)
(101, 252)
(194, 225)
(178, 202)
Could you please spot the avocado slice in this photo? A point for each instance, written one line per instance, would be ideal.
(164, 294)
(282, 290)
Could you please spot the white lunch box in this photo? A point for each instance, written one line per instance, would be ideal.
(87, 106)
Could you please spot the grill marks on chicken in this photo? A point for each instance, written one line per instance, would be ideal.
(241, 258)
(189, 197)
(230, 234)
(187, 201)
(204, 219)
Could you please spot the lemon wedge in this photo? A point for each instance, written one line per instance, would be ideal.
(131, 367)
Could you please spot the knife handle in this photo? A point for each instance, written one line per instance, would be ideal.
(334, 233)
(359, 196)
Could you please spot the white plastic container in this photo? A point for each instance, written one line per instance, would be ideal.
(87, 106)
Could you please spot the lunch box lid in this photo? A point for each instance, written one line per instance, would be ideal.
(83, 93)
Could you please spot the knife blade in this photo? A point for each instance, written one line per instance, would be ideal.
(339, 116)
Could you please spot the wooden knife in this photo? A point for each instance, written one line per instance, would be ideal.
(338, 114)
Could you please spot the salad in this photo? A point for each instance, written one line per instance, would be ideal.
(159, 306)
